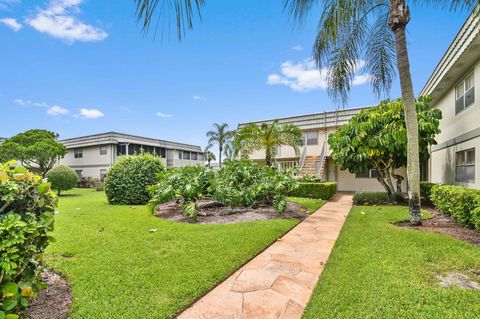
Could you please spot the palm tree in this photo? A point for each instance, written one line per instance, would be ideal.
(209, 156)
(348, 30)
(221, 136)
(268, 137)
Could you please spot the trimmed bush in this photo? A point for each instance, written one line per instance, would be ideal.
(426, 190)
(26, 216)
(459, 202)
(371, 198)
(315, 190)
(128, 179)
(62, 178)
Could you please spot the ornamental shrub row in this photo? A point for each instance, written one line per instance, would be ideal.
(426, 191)
(315, 190)
(461, 203)
(26, 216)
(371, 198)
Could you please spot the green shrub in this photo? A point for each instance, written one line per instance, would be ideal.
(309, 179)
(62, 178)
(128, 179)
(315, 190)
(371, 198)
(458, 202)
(26, 216)
(189, 184)
(426, 190)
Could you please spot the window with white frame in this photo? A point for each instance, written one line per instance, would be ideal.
(368, 174)
(103, 149)
(464, 93)
(78, 153)
(311, 137)
(103, 174)
(465, 166)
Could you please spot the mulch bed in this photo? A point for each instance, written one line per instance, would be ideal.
(54, 301)
(440, 223)
(213, 212)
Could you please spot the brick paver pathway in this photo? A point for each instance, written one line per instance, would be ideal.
(278, 283)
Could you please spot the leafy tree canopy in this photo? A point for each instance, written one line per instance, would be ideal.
(377, 139)
(37, 150)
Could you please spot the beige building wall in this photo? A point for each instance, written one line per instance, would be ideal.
(460, 132)
(92, 162)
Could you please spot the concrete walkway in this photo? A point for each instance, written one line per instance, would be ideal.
(278, 283)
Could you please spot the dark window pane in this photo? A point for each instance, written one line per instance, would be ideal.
(470, 173)
(186, 155)
(470, 97)
(459, 104)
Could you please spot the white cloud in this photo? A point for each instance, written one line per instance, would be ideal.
(90, 114)
(11, 23)
(22, 102)
(199, 98)
(57, 110)
(298, 47)
(304, 76)
(161, 114)
(59, 21)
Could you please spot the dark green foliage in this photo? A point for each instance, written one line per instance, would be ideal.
(371, 198)
(315, 190)
(26, 216)
(62, 178)
(128, 179)
(461, 203)
(37, 150)
(376, 138)
(426, 190)
(189, 184)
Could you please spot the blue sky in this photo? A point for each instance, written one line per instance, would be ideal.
(80, 67)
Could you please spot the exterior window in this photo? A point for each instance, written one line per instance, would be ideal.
(121, 149)
(78, 153)
(186, 155)
(369, 174)
(194, 156)
(103, 174)
(465, 166)
(134, 149)
(160, 152)
(201, 157)
(464, 93)
(180, 154)
(311, 137)
(103, 150)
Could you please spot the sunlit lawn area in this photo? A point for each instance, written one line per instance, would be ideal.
(378, 270)
(117, 268)
(311, 204)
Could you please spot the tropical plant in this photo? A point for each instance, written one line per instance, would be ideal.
(268, 138)
(62, 178)
(187, 184)
(129, 177)
(374, 30)
(37, 150)
(221, 136)
(209, 155)
(26, 217)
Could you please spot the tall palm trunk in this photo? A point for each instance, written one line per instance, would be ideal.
(268, 157)
(220, 150)
(399, 18)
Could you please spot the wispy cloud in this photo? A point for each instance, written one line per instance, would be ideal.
(57, 110)
(161, 114)
(91, 114)
(199, 98)
(304, 76)
(298, 47)
(22, 102)
(11, 23)
(59, 20)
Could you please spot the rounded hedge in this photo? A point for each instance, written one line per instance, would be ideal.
(62, 178)
(128, 179)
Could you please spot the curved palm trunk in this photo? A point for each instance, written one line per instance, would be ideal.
(220, 150)
(268, 157)
(399, 18)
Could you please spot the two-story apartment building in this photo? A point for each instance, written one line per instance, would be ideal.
(315, 157)
(92, 155)
(455, 87)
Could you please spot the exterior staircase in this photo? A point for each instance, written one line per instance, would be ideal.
(315, 165)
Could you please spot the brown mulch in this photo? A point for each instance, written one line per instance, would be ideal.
(54, 301)
(212, 212)
(440, 223)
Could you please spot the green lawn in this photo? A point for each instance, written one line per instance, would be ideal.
(118, 269)
(378, 270)
(310, 204)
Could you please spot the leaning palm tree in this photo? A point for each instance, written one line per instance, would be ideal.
(221, 136)
(268, 137)
(348, 31)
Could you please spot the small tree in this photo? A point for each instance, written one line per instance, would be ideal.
(37, 150)
(267, 137)
(377, 139)
(62, 178)
(221, 136)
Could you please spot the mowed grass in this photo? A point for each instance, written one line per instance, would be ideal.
(310, 204)
(378, 270)
(117, 268)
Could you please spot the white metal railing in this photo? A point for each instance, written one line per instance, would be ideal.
(319, 164)
(303, 156)
(285, 165)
